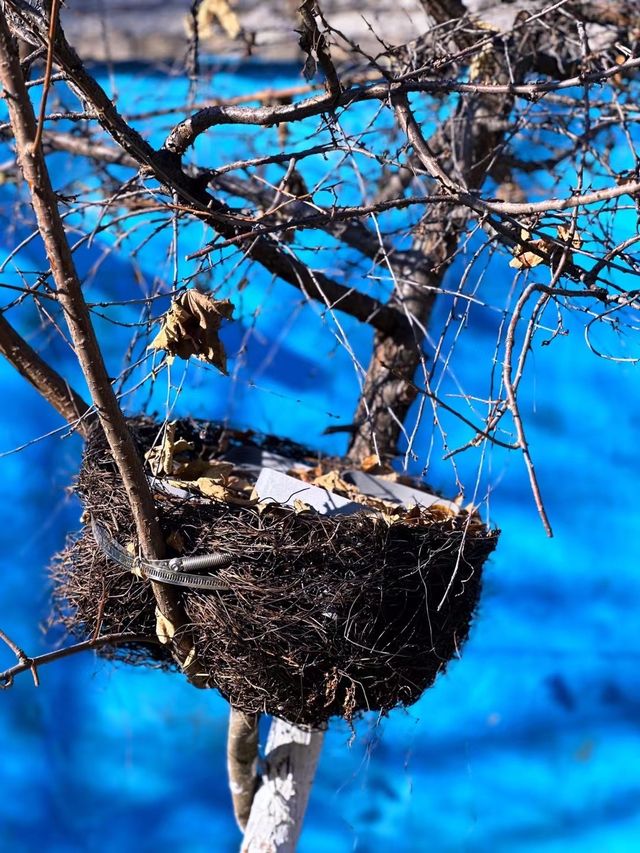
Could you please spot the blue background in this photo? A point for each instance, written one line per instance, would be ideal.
(530, 742)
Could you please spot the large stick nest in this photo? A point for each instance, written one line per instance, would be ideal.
(325, 616)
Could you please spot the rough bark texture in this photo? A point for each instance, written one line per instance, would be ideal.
(242, 762)
(459, 156)
(71, 298)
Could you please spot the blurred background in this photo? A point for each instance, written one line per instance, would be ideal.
(529, 742)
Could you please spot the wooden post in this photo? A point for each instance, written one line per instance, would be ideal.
(280, 804)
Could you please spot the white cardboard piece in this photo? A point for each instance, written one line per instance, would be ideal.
(276, 487)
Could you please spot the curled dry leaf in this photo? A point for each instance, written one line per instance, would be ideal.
(221, 12)
(370, 463)
(231, 490)
(333, 482)
(161, 457)
(191, 326)
(574, 240)
(373, 465)
(524, 258)
(165, 630)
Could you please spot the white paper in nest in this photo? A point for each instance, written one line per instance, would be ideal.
(274, 486)
(379, 487)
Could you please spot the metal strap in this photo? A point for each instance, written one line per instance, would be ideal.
(175, 571)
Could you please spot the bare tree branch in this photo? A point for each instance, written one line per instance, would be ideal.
(31, 664)
(71, 298)
(43, 377)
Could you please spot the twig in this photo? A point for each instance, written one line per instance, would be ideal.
(513, 404)
(53, 20)
(27, 663)
(56, 390)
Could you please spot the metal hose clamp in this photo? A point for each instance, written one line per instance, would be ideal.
(177, 571)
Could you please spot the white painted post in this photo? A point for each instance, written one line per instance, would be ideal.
(280, 803)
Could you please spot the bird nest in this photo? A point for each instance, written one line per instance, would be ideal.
(328, 611)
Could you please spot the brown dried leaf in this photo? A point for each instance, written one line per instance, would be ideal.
(191, 327)
(618, 79)
(413, 516)
(370, 463)
(373, 465)
(300, 506)
(238, 484)
(192, 469)
(232, 493)
(220, 11)
(564, 234)
(524, 258)
(161, 457)
(217, 470)
(211, 488)
(333, 482)
(165, 630)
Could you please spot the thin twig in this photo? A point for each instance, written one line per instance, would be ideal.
(32, 663)
(53, 21)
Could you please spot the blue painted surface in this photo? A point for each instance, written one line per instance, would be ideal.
(529, 743)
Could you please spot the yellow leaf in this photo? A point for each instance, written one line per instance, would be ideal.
(228, 492)
(524, 258)
(564, 234)
(160, 458)
(373, 465)
(220, 11)
(211, 488)
(165, 630)
(191, 327)
(332, 482)
(370, 463)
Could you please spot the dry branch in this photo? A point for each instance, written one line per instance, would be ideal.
(71, 298)
(56, 390)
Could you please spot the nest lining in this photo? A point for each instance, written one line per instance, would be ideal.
(324, 617)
